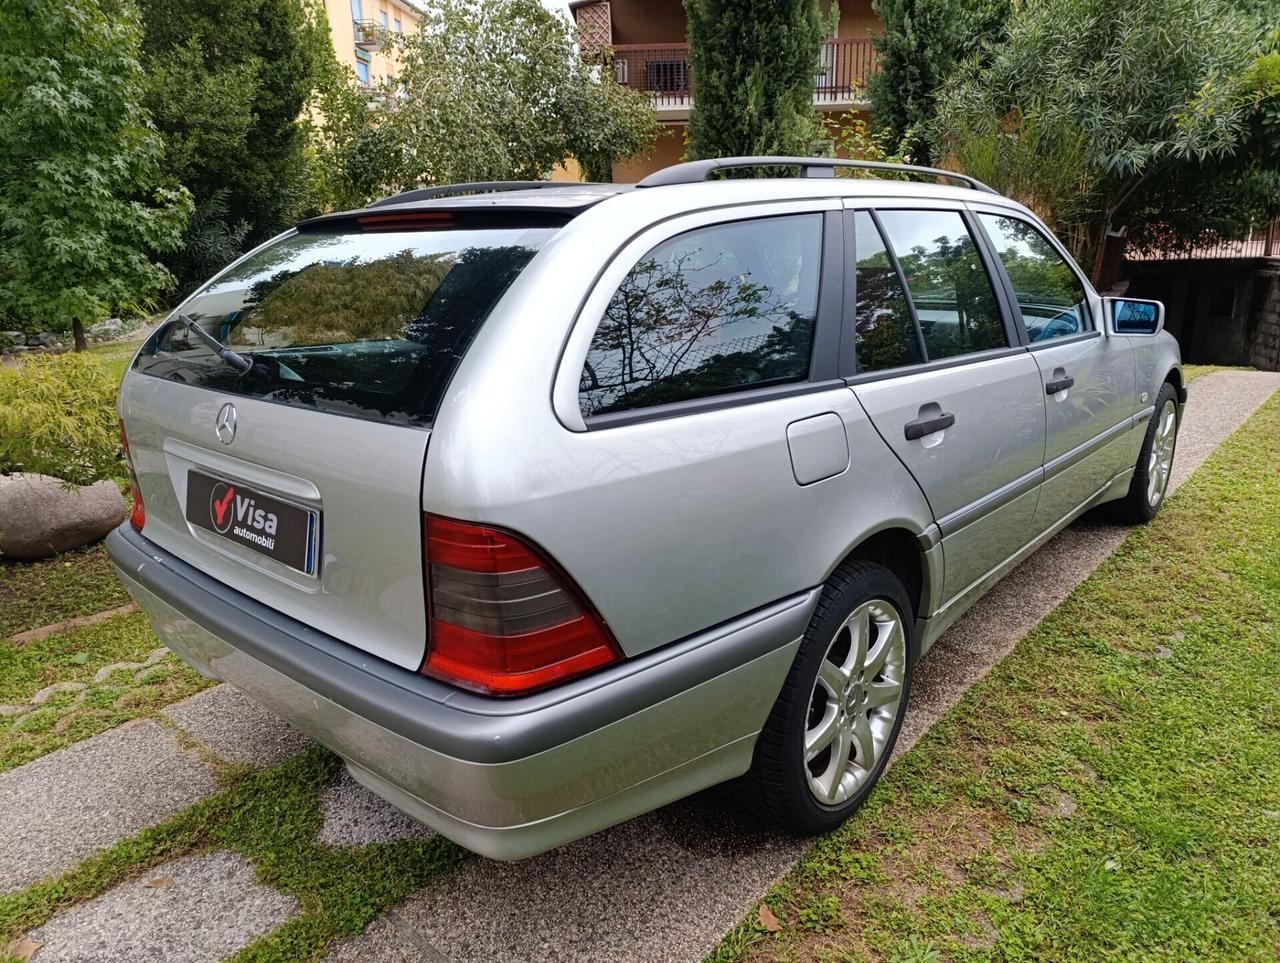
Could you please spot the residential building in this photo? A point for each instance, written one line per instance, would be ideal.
(1222, 299)
(358, 29)
(649, 40)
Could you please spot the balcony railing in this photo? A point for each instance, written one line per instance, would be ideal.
(370, 35)
(1262, 240)
(662, 71)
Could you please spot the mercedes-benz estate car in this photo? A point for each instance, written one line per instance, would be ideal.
(546, 505)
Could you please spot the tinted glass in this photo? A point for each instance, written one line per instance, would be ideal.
(368, 325)
(1135, 317)
(949, 287)
(1050, 295)
(885, 334)
(719, 309)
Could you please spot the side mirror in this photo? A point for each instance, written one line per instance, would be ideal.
(1130, 316)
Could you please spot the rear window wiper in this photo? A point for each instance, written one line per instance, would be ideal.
(231, 358)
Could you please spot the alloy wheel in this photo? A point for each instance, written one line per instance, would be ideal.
(1160, 464)
(856, 701)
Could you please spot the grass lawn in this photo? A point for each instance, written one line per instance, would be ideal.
(137, 686)
(1110, 791)
(116, 357)
(1192, 371)
(77, 583)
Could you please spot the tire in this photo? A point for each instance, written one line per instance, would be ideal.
(1155, 462)
(861, 598)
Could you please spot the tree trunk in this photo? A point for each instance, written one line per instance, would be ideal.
(77, 332)
(1108, 266)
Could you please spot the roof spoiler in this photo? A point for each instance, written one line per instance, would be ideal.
(476, 187)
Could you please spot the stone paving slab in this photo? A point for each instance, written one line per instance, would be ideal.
(633, 892)
(388, 940)
(353, 816)
(666, 886)
(196, 909)
(60, 808)
(236, 727)
(66, 625)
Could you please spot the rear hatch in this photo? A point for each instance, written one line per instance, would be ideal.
(299, 482)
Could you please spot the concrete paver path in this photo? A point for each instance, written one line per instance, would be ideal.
(196, 909)
(62, 807)
(661, 887)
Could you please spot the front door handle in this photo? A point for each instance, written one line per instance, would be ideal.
(927, 426)
(1061, 384)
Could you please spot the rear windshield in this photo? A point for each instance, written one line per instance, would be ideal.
(370, 325)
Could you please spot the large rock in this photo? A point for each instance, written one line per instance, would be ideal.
(9, 338)
(43, 339)
(107, 330)
(40, 516)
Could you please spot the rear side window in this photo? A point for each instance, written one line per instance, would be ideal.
(370, 325)
(885, 335)
(1050, 295)
(952, 294)
(716, 310)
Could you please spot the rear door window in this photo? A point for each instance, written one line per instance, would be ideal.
(719, 309)
(885, 333)
(950, 289)
(370, 325)
(1050, 294)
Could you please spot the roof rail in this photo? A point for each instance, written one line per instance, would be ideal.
(478, 187)
(694, 172)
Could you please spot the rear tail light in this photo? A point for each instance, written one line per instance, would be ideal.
(505, 620)
(138, 517)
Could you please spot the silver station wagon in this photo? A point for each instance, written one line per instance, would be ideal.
(544, 505)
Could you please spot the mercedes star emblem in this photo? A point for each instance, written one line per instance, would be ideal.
(225, 425)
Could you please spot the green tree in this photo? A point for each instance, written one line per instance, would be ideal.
(82, 198)
(489, 90)
(922, 43)
(1124, 122)
(754, 64)
(227, 83)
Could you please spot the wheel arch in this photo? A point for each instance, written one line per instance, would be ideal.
(901, 551)
(1174, 377)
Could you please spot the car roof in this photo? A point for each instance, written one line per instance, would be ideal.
(562, 201)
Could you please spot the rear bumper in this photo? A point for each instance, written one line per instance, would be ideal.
(506, 778)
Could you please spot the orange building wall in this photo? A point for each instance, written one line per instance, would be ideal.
(857, 20)
(648, 21)
(668, 150)
(663, 21)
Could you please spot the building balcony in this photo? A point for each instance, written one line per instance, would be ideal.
(662, 71)
(369, 35)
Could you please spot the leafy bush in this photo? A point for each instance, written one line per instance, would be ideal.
(57, 417)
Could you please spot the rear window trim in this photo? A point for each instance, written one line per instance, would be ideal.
(732, 398)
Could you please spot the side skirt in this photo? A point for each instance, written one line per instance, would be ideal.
(932, 628)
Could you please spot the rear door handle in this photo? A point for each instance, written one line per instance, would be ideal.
(1062, 384)
(927, 426)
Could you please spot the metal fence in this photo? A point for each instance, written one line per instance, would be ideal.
(662, 71)
(1261, 241)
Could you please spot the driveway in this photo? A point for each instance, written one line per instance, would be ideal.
(661, 887)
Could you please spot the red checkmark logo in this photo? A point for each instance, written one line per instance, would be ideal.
(220, 506)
